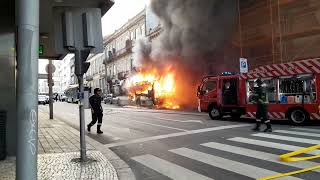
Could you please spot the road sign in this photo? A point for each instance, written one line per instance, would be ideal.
(53, 68)
(243, 65)
(43, 76)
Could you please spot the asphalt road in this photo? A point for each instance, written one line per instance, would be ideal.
(161, 145)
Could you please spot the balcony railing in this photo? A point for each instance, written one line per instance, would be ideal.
(89, 78)
(124, 51)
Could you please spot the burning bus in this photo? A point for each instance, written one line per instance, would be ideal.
(158, 87)
(295, 87)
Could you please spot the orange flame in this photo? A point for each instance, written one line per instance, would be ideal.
(152, 83)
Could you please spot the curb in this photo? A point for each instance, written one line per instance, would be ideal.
(123, 170)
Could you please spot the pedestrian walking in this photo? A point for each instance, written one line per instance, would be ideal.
(260, 99)
(96, 110)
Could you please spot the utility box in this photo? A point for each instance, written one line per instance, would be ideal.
(3, 124)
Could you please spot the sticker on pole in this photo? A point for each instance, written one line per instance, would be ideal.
(243, 65)
(80, 95)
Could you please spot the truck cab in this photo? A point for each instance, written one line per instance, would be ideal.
(220, 95)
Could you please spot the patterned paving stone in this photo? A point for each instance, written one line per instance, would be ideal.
(58, 146)
(66, 166)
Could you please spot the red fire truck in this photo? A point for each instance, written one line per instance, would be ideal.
(292, 92)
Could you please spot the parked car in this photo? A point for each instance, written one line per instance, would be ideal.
(64, 98)
(42, 99)
(108, 99)
(47, 99)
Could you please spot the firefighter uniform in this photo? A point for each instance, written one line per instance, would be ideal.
(260, 97)
(97, 112)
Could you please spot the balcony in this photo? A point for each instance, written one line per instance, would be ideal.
(123, 75)
(114, 54)
(89, 78)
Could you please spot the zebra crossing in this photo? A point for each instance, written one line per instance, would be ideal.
(243, 147)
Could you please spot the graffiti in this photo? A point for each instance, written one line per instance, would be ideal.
(33, 132)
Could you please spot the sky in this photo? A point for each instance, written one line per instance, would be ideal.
(120, 13)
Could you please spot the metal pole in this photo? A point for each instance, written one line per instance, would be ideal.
(27, 89)
(81, 113)
(50, 89)
(82, 120)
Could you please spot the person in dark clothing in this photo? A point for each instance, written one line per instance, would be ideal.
(260, 98)
(96, 110)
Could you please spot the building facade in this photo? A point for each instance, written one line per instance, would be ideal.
(64, 73)
(95, 76)
(277, 31)
(118, 52)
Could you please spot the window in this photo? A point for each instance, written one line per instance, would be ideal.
(133, 35)
(209, 86)
(143, 29)
(138, 32)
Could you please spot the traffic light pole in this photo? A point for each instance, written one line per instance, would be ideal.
(81, 111)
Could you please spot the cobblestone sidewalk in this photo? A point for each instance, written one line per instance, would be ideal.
(58, 152)
(57, 137)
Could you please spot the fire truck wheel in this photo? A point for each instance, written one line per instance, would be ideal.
(215, 113)
(298, 116)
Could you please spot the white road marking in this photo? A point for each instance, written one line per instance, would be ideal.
(222, 163)
(298, 133)
(114, 138)
(152, 138)
(169, 169)
(259, 155)
(139, 110)
(182, 121)
(117, 129)
(272, 145)
(308, 129)
(288, 138)
(158, 125)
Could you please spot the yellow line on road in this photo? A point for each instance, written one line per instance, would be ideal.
(289, 173)
(289, 158)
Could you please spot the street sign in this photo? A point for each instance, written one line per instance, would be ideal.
(53, 68)
(43, 76)
(243, 65)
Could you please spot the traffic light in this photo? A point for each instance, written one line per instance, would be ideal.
(81, 64)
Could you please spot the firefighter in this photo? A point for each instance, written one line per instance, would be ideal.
(260, 98)
(96, 110)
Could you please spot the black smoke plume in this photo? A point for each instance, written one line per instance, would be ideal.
(194, 31)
